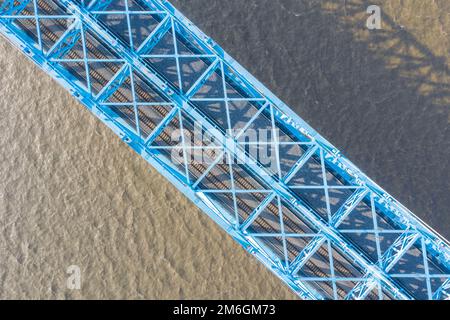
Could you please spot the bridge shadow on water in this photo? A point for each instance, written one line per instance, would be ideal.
(381, 96)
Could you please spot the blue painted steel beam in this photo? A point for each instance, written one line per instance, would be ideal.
(443, 293)
(317, 242)
(13, 7)
(389, 259)
(307, 241)
(230, 144)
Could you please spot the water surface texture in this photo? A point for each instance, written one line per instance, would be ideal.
(71, 193)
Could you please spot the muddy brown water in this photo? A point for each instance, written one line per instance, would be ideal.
(72, 193)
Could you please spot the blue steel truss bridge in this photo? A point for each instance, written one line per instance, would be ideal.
(311, 216)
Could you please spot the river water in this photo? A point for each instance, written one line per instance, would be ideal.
(72, 194)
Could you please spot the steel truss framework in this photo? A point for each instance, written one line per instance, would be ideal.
(313, 219)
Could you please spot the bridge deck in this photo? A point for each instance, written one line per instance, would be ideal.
(273, 183)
